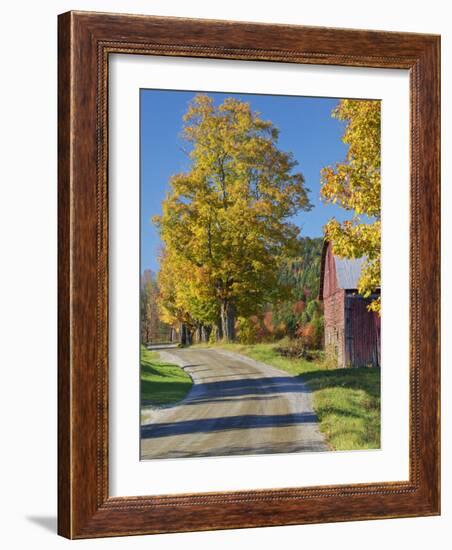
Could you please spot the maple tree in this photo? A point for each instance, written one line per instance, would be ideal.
(355, 185)
(225, 223)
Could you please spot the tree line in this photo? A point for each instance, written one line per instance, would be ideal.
(152, 328)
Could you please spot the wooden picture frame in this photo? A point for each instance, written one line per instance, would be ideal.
(85, 42)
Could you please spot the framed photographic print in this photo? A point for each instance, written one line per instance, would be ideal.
(248, 275)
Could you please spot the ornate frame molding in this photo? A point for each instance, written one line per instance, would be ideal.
(85, 42)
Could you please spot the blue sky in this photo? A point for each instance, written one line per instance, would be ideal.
(306, 129)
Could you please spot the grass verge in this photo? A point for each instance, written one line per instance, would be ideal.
(346, 401)
(161, 383)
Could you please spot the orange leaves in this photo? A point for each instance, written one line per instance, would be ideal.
(299, 307)
(268, 321)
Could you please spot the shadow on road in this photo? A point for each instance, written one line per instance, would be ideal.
(206, 425)
(246, 386)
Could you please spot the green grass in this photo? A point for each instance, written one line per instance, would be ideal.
(346, 401)
(161, 383)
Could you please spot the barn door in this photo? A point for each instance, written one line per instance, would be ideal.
(348, 334)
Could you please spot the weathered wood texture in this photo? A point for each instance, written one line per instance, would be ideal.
(362, 332)
(333, 306)
(85, 41)
(352, 332)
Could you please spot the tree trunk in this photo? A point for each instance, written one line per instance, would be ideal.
(190, 332)
(218, 331)
(205, 333)
(228, 320)
(183, 334)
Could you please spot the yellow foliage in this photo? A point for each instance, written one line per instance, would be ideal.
(224, 222)
(355, 185)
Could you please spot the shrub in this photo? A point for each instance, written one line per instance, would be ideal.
(246, 330)
(311, 333)
(296, 349)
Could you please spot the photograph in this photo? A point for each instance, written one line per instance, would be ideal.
(260, 294)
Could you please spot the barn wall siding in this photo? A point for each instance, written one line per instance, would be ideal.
(333, 300)
(362, 333)
(329, 273)
(334, 320)
(352, 332)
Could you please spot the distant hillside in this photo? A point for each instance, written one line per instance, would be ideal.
(303, 273)
(300, 315)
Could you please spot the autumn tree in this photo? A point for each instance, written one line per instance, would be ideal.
(227, 219)
(184, 299)
(152, 326)
(355, 185)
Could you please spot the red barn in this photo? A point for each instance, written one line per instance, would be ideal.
(351, 330)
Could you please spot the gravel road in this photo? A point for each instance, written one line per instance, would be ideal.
(236, 406)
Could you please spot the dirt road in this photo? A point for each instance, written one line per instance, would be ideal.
(236, 406)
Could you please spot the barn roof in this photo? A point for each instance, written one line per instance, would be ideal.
(348, 271)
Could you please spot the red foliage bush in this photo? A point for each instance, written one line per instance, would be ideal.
(299, 307)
